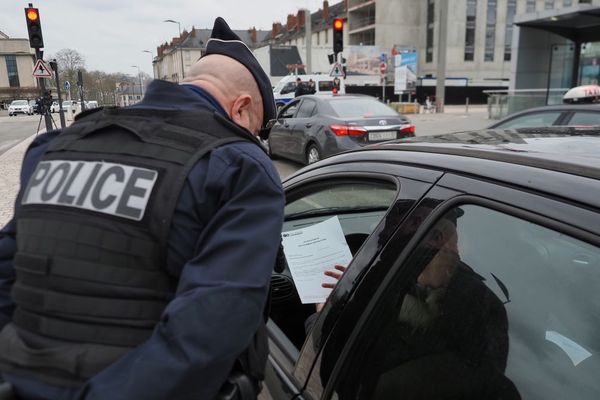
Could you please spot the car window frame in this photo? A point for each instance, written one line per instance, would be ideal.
(312, 111)
(452, 196)
(295, 102)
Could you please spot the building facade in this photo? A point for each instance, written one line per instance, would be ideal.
(17, 60)
(176, 57)
(479, 39)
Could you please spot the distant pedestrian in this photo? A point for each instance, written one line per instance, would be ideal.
(301, 88)
(311, 87)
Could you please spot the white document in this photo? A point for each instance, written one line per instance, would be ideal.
(310, 252)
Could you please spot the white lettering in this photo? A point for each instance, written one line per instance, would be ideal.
(104, 187)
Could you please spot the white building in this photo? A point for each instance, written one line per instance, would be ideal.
(17, 60)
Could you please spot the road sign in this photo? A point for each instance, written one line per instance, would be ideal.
(337, 71)
(382, 68)
(67, 85)
(41, 70)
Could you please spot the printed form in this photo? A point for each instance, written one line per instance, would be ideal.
(311, 251)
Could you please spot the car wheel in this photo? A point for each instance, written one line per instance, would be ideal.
(312, 154)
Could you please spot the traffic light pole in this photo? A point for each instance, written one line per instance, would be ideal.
(47, 118)
(54, 66)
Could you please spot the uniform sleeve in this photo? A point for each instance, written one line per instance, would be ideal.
(221, 293)
(8, 244)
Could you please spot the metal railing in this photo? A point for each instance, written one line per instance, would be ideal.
(505, 102)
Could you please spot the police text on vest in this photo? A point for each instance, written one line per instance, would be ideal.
(115, 189)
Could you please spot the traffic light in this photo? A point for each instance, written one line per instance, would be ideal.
(34, 27)
(338, 35)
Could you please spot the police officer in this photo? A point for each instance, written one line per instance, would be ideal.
(138, 262)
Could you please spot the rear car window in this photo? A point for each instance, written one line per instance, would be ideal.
(360, 107)
(585, 118)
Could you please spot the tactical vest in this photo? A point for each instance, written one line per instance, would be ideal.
(92, 239)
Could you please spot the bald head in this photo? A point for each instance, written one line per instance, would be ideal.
(232, 86)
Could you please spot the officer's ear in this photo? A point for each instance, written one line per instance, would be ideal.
(241, 111)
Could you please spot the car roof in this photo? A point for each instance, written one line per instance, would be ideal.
(556, 107)
(561, 160)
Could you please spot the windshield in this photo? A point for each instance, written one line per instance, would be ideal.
(359, 107)
(19, 103)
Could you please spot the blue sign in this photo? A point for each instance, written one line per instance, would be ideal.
(67, 85)
(383, 57)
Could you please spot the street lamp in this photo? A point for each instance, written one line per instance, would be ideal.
(151, 60)
(140, 78)
(180, 47)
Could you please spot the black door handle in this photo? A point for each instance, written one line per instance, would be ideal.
(308, 125)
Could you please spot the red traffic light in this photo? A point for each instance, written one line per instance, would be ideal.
(32, 14)
(338, 24)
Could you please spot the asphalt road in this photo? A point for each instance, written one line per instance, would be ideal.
(15, 129)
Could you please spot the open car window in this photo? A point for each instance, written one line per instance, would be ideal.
(359, 205)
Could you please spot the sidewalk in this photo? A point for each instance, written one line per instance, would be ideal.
(10, 167)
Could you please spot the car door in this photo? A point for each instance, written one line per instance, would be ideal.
(370, 199)
(485, 291)
(303, 125)
(281, 131)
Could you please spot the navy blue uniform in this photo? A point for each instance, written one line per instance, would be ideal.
(222, 246)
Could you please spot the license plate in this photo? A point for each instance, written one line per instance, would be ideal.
(386, 135)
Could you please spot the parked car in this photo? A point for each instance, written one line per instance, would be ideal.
(91, 104)
(54, 108)
(316, 126)
(284, 91)
(475, 271)
(558, 115)
(20, 107)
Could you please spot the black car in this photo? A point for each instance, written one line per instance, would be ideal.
(313, 127)
(558, 115)
(475, 271)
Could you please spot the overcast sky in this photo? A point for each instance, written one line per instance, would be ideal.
(111, 34)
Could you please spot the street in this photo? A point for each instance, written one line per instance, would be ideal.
(16, 132)
(14, 129)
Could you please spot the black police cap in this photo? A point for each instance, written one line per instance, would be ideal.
(225, 42)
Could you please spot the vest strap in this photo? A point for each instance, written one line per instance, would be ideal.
(80, 332)
(53, 303)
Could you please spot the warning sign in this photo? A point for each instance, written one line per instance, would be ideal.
(41, 70)
(337, 70)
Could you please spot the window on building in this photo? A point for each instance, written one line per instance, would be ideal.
(430, 23)
(511, 7)
(318, 38)
(530, 6)
(470, 30)
(12, 71)
(567, 3)
(490, 31)
(548, 4)
(327, 36)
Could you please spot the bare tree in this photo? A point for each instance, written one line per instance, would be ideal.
(69, 62)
